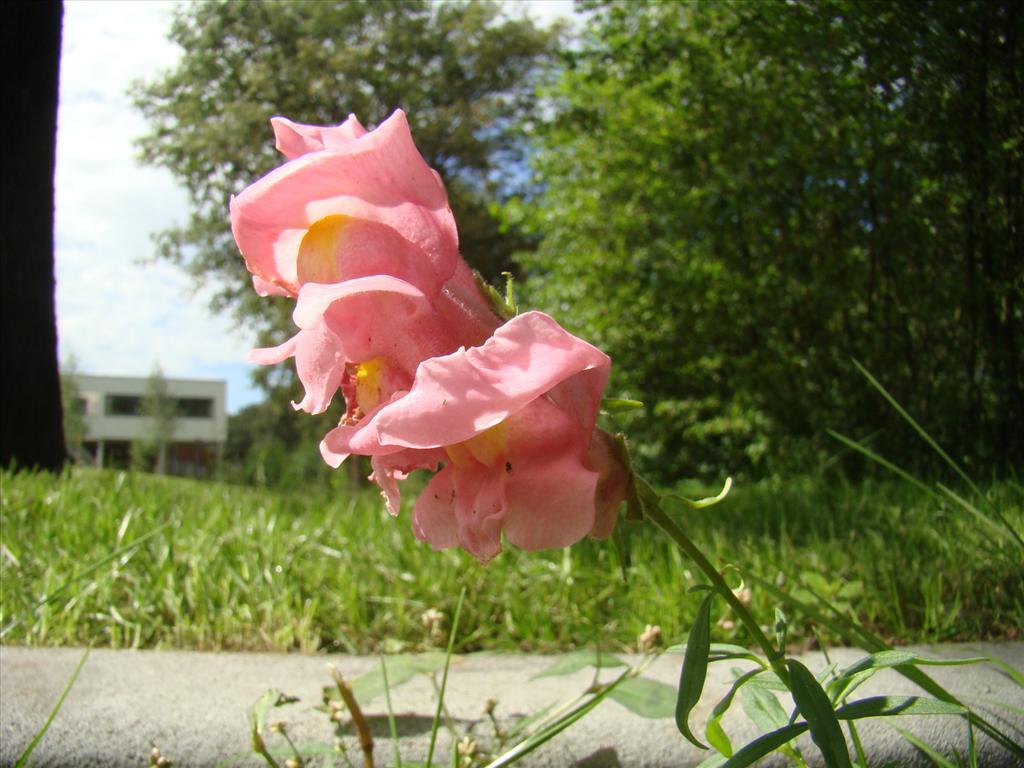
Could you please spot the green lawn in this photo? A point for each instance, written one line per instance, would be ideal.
(239, 568)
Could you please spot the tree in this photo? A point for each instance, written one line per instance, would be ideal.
(161, 411)
(30, 432)
(740, 198)
(73, 406)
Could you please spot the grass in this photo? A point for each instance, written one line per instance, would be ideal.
(255, 569)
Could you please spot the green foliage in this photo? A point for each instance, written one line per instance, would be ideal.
(161, 413)
(738, 198)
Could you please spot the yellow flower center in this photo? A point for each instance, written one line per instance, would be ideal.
(487, 448)
(318, 251)
(369, 376)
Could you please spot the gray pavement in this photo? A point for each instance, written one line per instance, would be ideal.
(192, 707)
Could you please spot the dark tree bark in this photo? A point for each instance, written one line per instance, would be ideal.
(31, 431)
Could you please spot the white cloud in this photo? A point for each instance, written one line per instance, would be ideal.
(115, 313)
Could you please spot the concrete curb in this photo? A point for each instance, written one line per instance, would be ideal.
(192, 706)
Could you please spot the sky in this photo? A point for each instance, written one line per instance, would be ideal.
(119, 311)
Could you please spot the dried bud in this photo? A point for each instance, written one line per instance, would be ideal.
(650, 638)
(467, 747)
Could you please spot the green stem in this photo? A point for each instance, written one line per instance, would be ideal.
(663, 521)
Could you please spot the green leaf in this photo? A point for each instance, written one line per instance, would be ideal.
(781, 628)
(258, 711)
(717, 737)
(614, 405)
(764, 745)
(572, 662)
(1014, 674)
(694, 670)
(647, 698)
(815, 706)
(715, 733)
(862, 669)
(401, 669)
(763, 708)
(897, 706)
(706, 502)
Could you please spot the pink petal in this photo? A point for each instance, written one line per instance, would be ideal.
(380, 177)
(550, 504)
(433, 517)
(359, 438)
(266, 288)
(319, 363)
(272, 355)
(295, 139)
(377, 316)
(462, 394)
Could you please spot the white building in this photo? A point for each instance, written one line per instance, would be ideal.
(113, 415)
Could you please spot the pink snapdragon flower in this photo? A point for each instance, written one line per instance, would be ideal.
(350, 209)
(513, 422)
(357, 229)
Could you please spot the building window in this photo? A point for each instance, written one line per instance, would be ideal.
(195, 407)
(124, 405)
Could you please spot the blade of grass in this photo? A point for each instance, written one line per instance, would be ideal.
(80, 575)
(23, 760)
(444, 677)
(937, 758)
(392, 725)
(916, 427)
(935, 447)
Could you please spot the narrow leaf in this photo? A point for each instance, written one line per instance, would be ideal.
(761, 706)
(614, 405)
(706, 502)
(897, 706)
(572, 662)
(717, 737)
(401, 669)
(647, 698)
(714, 732)
(816, 708)
(764, 745)
(694, 670)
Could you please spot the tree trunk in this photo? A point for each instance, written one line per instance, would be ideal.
(31, 433)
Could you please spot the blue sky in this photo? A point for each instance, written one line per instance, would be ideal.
(119, 312)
